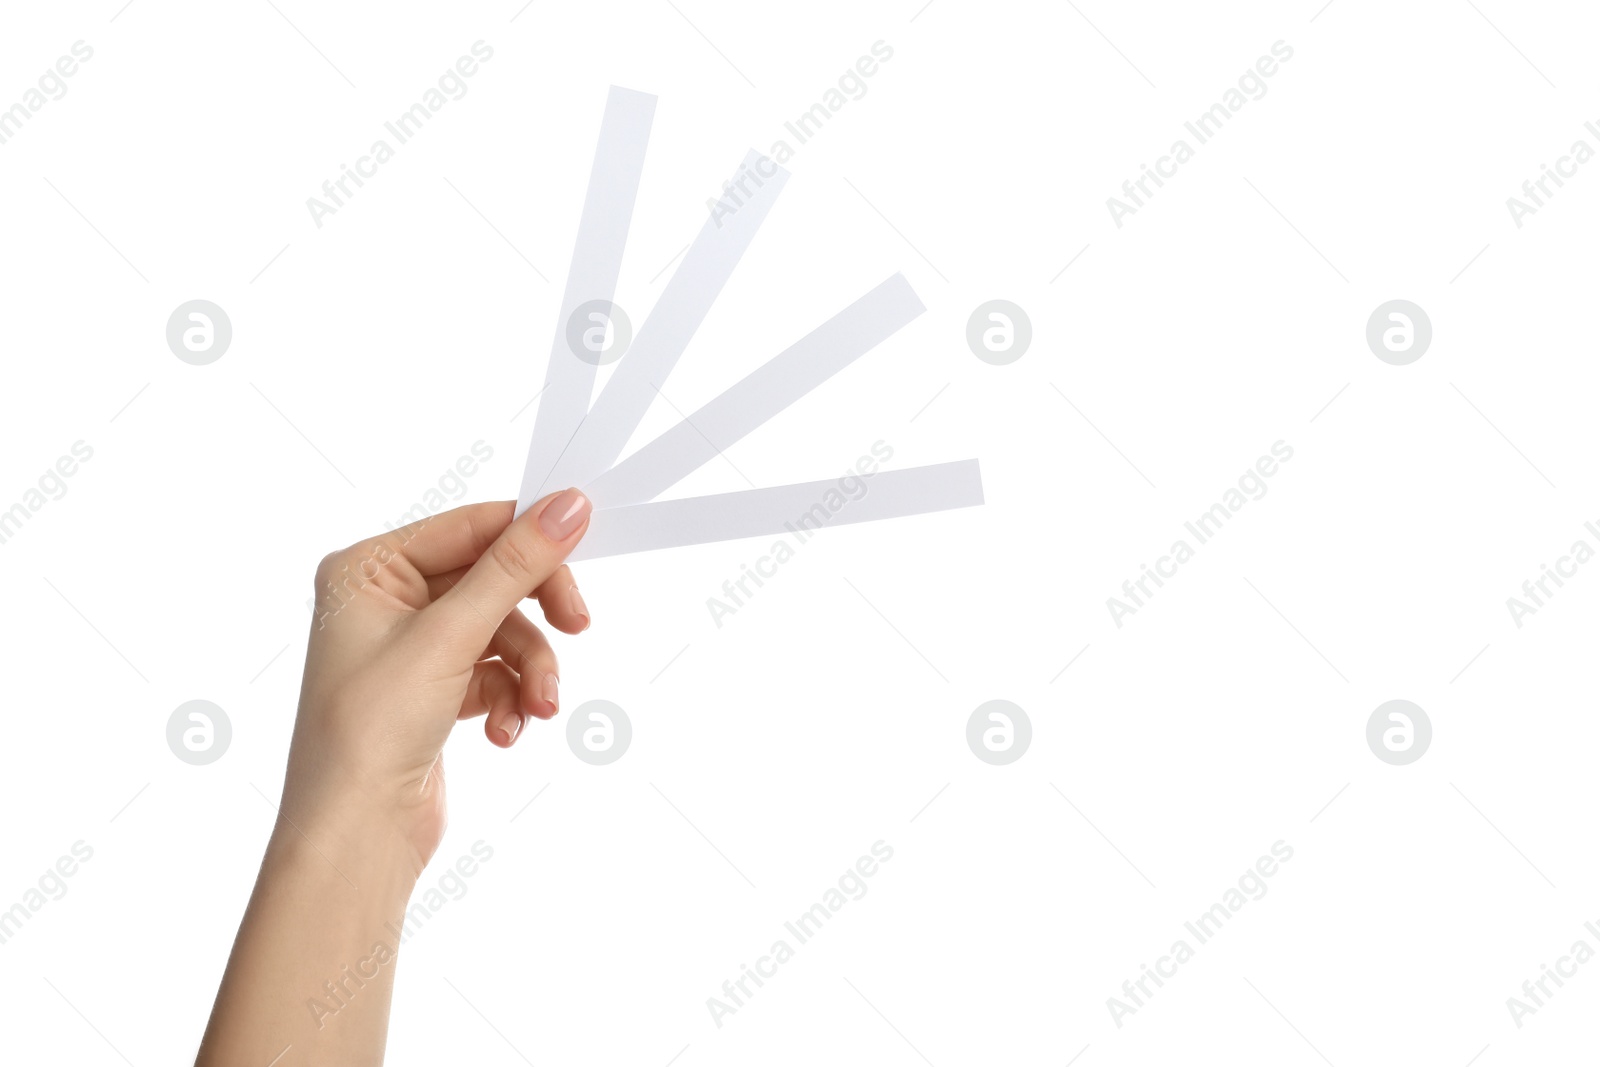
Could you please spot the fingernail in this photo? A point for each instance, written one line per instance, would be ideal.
(564, 514)
(512, 727)
(579, 608)
(552, 694)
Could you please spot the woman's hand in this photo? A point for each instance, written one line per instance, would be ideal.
(414, 630)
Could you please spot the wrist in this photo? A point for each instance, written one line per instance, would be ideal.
(353, 851)
(383, 818)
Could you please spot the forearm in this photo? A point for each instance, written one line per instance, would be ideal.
(312, 970)
(433, 635)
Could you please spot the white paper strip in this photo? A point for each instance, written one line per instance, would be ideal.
(762, 394)
(596, 261)
(794, 509)
(672, 323)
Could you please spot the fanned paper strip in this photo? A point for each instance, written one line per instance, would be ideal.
(682, 307)
(760, 395)
(574, 444)
(785, 509)
(596, 262)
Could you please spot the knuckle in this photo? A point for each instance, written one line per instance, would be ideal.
(360, 562)
(514, 556)
(547, 664)
(329, 567)
(532, 656)
(371, 557)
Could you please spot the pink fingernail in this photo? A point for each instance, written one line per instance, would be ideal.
(512, 727)
(552, 695)
(564, 514)
(579, 608)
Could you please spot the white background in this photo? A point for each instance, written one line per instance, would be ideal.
(827, 713)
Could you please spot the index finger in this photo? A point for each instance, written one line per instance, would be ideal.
(451, 539)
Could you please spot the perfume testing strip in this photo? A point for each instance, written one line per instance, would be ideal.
(596, 261)
(754, 400)
(682, 307)
(782, 509)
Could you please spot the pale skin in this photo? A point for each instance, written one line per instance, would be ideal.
(415, 630)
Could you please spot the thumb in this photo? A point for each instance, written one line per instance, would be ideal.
(518, 561)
